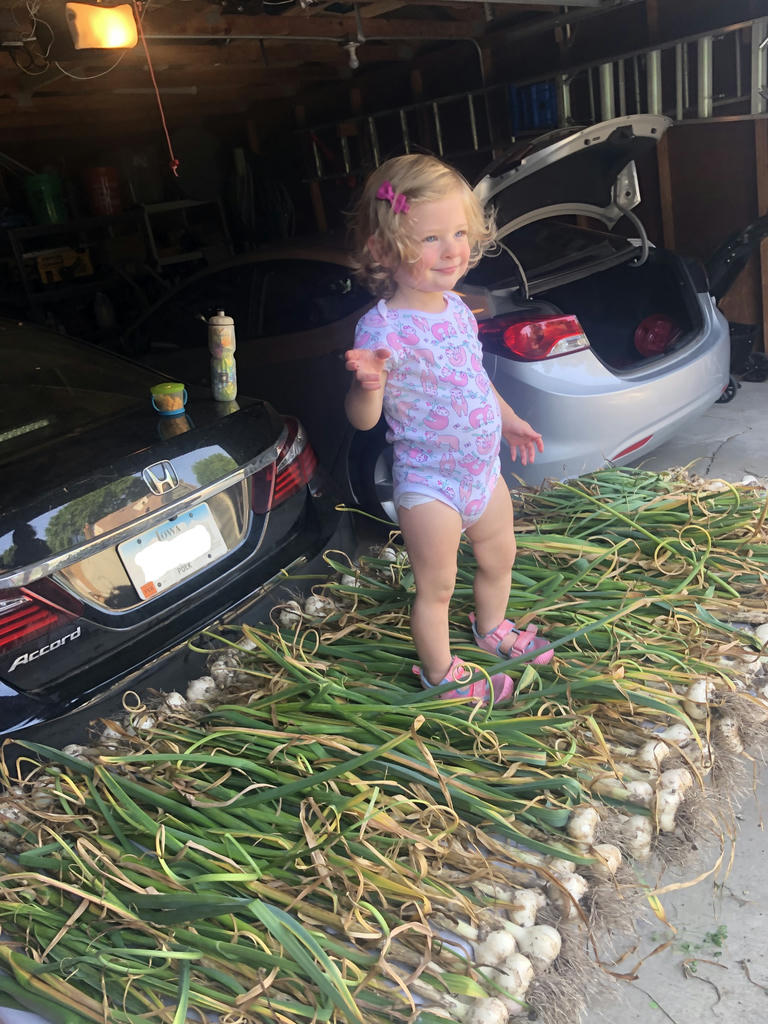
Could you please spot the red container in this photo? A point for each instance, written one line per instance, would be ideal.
(103, 186)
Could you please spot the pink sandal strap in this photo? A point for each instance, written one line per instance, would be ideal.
(503, 687)
(525, 641)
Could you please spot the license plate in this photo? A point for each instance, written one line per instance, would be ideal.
(167, 554)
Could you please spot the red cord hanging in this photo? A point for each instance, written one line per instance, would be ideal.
(174, 163)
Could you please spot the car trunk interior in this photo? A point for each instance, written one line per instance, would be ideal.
(611, 304)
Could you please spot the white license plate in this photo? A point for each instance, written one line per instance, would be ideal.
(167, 554)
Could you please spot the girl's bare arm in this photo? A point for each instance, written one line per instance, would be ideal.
(366, 393)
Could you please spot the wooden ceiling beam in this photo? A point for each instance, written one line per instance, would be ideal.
(165, 24)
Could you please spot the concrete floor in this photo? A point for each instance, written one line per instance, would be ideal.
(715, 966)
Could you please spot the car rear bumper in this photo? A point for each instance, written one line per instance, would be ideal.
(45, 719)
(588, 414)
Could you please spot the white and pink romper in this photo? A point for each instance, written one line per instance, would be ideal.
(442, 414)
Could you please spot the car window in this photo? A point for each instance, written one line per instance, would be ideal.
(264, 297)
(303, 294)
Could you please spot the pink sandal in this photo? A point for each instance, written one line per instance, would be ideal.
(525, 642)
(503, 686)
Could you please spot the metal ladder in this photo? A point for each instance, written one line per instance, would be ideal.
(451, 126)
(715, 74)
(708, 75)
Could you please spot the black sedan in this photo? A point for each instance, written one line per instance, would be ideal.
(123, 532)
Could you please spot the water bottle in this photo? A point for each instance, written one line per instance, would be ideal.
(221, 345)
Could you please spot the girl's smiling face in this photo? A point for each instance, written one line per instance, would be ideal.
(440, 231)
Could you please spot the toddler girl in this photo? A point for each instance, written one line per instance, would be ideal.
(418, 227)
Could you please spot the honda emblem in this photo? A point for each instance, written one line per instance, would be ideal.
(160, 478)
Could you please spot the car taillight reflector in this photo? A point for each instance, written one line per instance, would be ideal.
(296, 463)
(535, 339)
(22, 617)
(632, 448)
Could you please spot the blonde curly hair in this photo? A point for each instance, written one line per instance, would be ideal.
(420, 179)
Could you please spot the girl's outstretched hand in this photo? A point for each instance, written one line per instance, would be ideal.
(368, 366)
(523, 440)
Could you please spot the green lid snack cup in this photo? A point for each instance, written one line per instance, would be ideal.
(169, 398)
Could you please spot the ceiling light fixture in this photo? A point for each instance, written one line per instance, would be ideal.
(101, 26)
(354, 60)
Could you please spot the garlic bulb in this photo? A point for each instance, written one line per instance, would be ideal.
(175, 701)
(678, 734)
(673, 786)
(728, 734)
(224, 671)
(652, 753)
(495, 947)
(558, 866)
(527, 903)
(608, 860)
(290, 615)
(76, 750)
(110, 737)
(513, 976)
(388, 554)
(144, 722)
(697, 698)
(640, 792)
(317, 607)
(582, 824)
(201, 689)
(541, 943)
(575, 887)
(637, 832)
(486, 1011)
(348, 580)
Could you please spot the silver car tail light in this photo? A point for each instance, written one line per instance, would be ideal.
(534, 339)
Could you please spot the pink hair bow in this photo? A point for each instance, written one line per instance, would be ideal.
(397, 200)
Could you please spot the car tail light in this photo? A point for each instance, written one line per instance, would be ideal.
(24, 615)
(296, 463)
(533, 340)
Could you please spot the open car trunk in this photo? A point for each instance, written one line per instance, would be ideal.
(557, 202)
(620, 305)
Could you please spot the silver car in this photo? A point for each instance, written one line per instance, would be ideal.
(606, 344)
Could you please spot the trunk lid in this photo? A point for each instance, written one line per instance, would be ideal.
(87, 465)
(536, 185)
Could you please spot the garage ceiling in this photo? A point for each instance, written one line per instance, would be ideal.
(234, 54)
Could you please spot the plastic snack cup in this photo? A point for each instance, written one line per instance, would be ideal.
(169, 398)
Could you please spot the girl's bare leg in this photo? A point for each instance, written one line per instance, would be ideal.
(431, 533)
(494, 545)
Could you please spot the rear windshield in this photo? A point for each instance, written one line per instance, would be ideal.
(52, 387)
